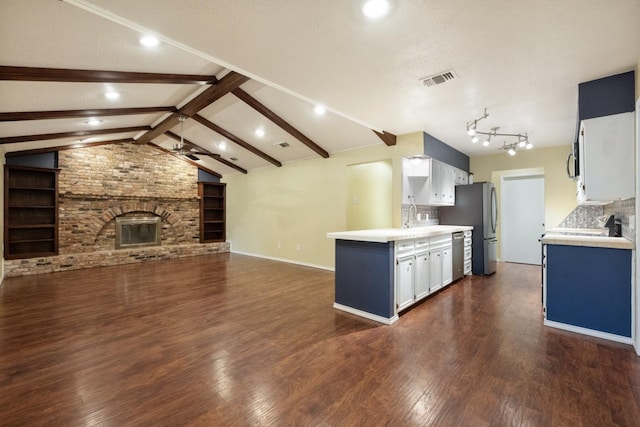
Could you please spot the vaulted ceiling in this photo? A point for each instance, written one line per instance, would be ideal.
(234, 67)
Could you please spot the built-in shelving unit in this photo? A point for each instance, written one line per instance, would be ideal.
(30, 212)
(212, 212)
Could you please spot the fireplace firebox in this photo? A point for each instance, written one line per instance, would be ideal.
(138, 232)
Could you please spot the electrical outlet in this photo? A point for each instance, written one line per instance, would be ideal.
(298, 247)
(632, 222)
(279, 245)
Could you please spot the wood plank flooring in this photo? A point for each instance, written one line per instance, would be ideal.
(234, 340)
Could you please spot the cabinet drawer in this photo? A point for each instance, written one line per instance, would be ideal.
(404, 248)
(467, 234)
(467, 267)
(467, 254)
(467, 242)
(440, 241)
(422, 244)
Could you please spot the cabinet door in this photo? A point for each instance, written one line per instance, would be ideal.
(435, 187)
(447, 182)
(421, 284)
(404, 282)
(605, 163)
(447, 266)
(435, 270)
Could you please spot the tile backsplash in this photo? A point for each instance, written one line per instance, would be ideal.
(586, 216)
(625, 210)
(429, 215)
(583, 216)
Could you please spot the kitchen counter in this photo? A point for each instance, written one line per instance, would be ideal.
(562, 238)
(386, 235)
(374, 274)
(587, 283)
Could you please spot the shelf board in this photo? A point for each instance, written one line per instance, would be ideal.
(14, 227)
(32, 188)
(31, 207)
(30, 241)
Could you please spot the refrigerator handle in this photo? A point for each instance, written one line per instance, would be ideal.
(494, 210)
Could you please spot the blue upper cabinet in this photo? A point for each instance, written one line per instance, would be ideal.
(606, 96)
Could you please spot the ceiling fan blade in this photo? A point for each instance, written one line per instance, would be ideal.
(203, 153)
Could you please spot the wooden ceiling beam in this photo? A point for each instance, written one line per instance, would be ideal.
(229, 82)
(265, 111)
(69, 114)
(59, 135)
(205, 152)
(99, 76)
(185, 159)
(66, 147)
(198, 118)
(386, 137)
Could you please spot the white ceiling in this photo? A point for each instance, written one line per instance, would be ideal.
(522, 60)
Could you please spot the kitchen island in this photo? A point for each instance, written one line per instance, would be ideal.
(587, 284)
(383, 271)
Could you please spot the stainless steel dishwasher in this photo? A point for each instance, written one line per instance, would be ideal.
(457, 254)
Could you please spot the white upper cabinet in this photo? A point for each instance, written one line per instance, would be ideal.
(460, 177)
(441, 184)
(606, 159)
(430, 182)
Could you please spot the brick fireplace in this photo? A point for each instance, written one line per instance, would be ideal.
(99, 184)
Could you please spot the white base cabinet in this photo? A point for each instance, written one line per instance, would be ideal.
(422, 266)
(467, 253)
(404, 282)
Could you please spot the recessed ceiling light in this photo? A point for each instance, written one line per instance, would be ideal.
(112, 94)
(93, 122)
(375, 9)
(222, 145)
(319, 110)
(259, 132)
(149, 41)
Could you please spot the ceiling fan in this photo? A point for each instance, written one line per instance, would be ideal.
(189, 149)
(180, 148)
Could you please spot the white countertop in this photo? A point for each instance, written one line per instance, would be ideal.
(385, 235)
(587, 240)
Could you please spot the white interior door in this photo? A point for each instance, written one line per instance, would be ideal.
(522, 202)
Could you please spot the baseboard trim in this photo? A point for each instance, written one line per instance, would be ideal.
(370, 316)
(289, 261)
(590, 332)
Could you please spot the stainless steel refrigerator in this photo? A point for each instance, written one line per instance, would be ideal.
(476, 205)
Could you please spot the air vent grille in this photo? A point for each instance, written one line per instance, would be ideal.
(234, 159)
(438, 79)
(283, 144)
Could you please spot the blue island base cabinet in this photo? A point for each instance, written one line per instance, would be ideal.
(588, 290)
(364, 280)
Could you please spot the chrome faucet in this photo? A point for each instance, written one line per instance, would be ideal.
(412, 204)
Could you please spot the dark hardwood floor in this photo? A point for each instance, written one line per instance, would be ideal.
(234, 340)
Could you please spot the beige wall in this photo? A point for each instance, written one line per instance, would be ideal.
(370, 195)
(272, 212)
(560, 191)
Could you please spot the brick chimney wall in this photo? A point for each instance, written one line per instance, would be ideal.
(96, 184)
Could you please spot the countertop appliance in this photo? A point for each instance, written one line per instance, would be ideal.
(476, 205)
(457, 253)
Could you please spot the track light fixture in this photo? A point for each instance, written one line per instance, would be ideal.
(521, 142)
